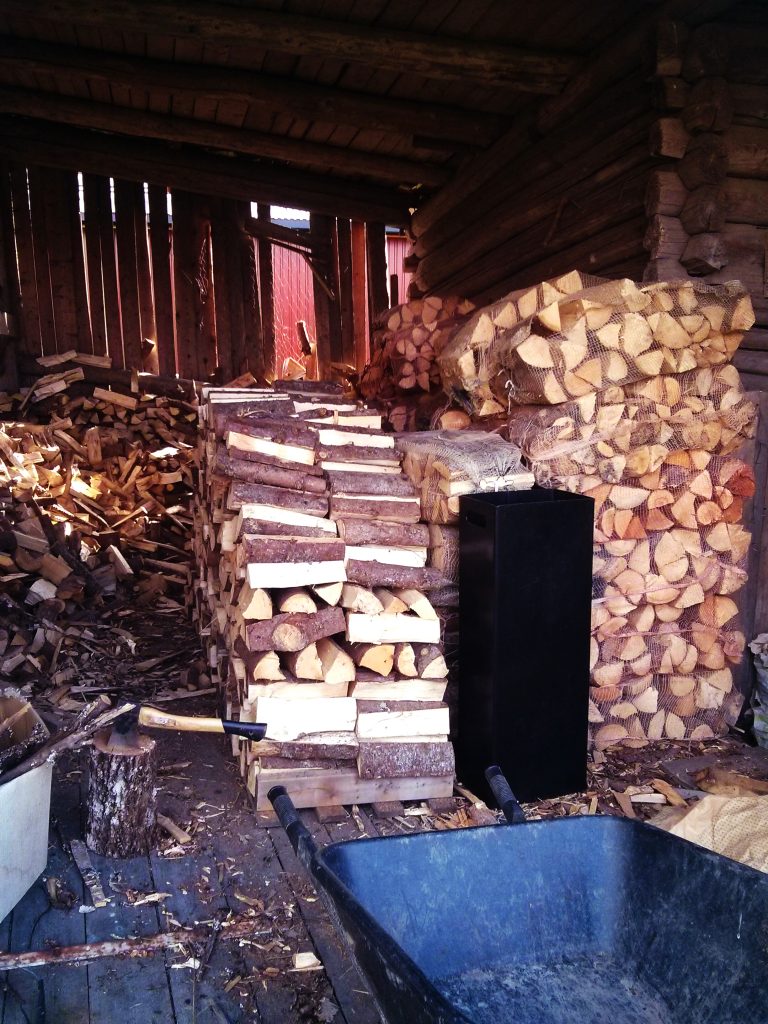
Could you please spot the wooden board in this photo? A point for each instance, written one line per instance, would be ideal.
(160, 244)
(312, 788)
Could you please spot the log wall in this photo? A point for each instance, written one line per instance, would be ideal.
(104, 268)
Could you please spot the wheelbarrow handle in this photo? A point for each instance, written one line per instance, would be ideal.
(503, 795)
(301, 840)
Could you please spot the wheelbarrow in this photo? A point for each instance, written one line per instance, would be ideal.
(580, 920)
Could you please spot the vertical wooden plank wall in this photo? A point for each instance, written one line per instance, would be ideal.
(108, 272)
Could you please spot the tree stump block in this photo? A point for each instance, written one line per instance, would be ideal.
(121, 796)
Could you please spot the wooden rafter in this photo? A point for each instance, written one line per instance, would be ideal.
(434, 56)
(46, 144)
(143, 124)
(306, 100)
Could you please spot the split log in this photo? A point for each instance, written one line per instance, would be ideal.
(304, 664)
(270, 519)
(296, 719)
(391, 629)
(405, 660)
(377, 760)
(337, 666)
(281, 430)
(261, 473)
(405, 510)
(264, 548)
(121, 796)
(293, 632)
(378, 658)
(374, 574)
(242, 493)
(390, 604)
(295, 600)
(430, 662)
(359, 599)
(372, 687)
(370, 484)
(384, 719)
(375, 531)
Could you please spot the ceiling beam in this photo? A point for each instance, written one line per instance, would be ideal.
(306, 100)
(50, 145)
(144, 124)
(433, 56)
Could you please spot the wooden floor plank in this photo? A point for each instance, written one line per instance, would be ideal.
(34, 924)
(126, 991)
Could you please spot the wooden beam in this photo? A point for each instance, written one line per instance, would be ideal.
(435, 56)
(44, 143)
(308, 101)
(376, 245)
(344, 236)
(103, 211)
(359, 294)
(143, 124)
(318, 226)
(25, 256)
(125, 200)
(265, 229)
(144, 280)
(184, 273)
(226, 310)
(42, 269)
(93, 264)
(160, 244)
(267, 294)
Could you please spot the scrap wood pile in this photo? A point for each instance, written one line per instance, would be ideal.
(314, 595)
(641, 411)
(403, 371)
(94, 494)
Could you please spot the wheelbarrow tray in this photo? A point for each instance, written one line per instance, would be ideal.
(587, 920)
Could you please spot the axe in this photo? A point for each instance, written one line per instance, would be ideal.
(124, 727)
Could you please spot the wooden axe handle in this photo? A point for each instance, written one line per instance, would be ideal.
(152, 718)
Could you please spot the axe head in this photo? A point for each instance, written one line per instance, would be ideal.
(124, 731)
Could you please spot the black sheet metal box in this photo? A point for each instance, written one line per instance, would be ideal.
(524, 624)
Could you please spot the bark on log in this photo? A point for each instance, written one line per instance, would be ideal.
(243, 493)
(376, 574)
(404, 760)
(279, 429)
(261, 473)
(358, 453)
(374, 531)
(289, 549)
(370, 483)
(294, 631)
(356, 508)
(121, 797)
(273, 461)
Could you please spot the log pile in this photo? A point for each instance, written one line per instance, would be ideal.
(314, 595)
(659, 458)
(93, 502)
(595, 339)
(403, 370)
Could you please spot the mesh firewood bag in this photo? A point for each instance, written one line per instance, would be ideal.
(466, 360)
(406, 343)
(628, 433)
(610, 335)
(444, 464)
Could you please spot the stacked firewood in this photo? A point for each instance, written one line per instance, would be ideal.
(313, 593)
(575, 343)
(403, 372)
(657, 454)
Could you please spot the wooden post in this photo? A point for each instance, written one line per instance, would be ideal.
(376, 242)
(267, 292)
(227, 319)
(318, 228)
(125, 201)
(102, 200)
(359, 294)
(160, 243)
(93, 263)
(150, 361)
(250, 289)
(57, 197)
(29, 313)
(183, 284)
(344, 235)
(121, 796)
(204, 295)
(42, 272)
(9, 284)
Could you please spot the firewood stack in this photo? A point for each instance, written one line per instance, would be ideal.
(404, 350)
(313, 592)
(442, 465)
(655, 418)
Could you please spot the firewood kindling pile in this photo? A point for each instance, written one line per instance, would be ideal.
(643, 413)
(314, 596)
(94, 493)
